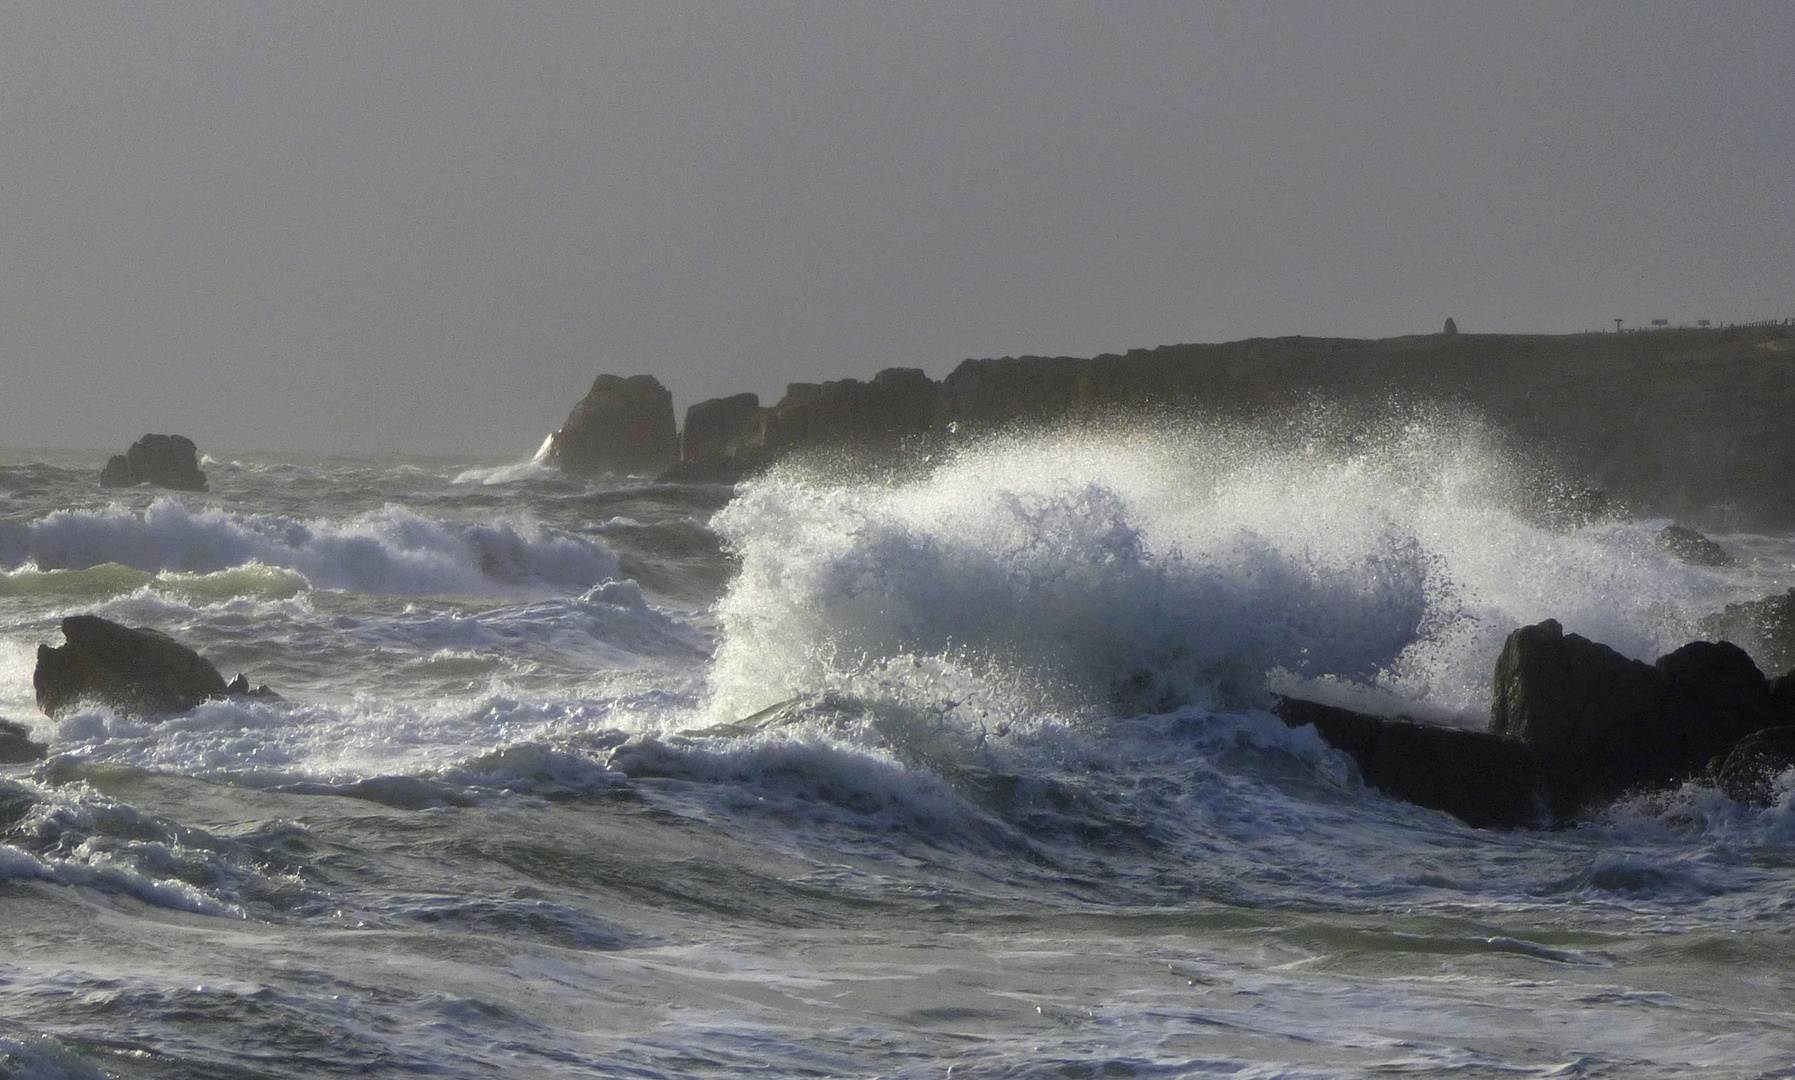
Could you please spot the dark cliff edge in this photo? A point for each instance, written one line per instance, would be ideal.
(1689, 424)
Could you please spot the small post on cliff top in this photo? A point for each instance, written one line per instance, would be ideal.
(1617, 326)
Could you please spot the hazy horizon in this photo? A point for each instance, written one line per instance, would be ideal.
(346, 228)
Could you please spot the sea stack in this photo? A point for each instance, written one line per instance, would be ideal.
(624, 425)
(170, 461)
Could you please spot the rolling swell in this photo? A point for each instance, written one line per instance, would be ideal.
(390, 550)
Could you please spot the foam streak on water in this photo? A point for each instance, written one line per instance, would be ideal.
(862, 777)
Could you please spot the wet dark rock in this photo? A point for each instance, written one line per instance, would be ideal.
(128, 668)
(16, 746)
(1482, 779)
(239, 687)
(1764, 628)
(713, 427)
(1749, 772)
(1687, 545)
(170, 461)
(622, 425)
(1600, 724)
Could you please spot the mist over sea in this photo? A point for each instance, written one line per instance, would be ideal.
(963, 770)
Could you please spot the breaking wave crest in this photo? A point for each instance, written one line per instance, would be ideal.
(1134, 571)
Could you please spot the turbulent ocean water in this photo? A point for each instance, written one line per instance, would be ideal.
(961, 771)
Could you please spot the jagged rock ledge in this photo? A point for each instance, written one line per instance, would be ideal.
(1575, 725)
(1686, 424)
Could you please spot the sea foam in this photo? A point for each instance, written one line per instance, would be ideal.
(390, 550)
(1133, 570)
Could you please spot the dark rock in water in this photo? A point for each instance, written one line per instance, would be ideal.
(714, 426)
(1754, 764)
(1482, 779)
(117, 472)
(130, 669)
(170, 461)
(1687, 545)
(1600, 724)
(622, 425)
(1716, 696)
(1764, 628)
(239, 687)
(16, 746)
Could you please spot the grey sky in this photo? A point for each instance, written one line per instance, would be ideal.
(427, 226)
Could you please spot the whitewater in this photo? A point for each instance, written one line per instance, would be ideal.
(961, 769)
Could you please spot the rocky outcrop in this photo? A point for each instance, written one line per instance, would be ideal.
(1600, 724)
(16, 746)
(1764, 628)
(1687, 424)
(1687, 545)
(1749, 772)
(130, 669)
(170, 461)
(624, 425)
(899, 404)
(1482, 779)
(714, 427)
(1574, 724)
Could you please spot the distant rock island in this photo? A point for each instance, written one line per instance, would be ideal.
(170, 461)
(1691, 424)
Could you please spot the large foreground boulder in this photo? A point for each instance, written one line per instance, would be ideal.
(170, 461)
(623, 425)
(1600, 724)
(1482, 779)
(130, 669)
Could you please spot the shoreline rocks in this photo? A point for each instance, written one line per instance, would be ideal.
(1574, 724)
(170, 461)
(1684, 424)
(1482, 779)
(131, 669)
(622, 425)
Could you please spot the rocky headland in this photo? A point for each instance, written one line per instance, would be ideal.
(1684, 424)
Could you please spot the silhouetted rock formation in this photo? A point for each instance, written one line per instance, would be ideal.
(1574, 724)
(622, 425)
(16, 746)
(1692, 547)
(1601, 724)
(1450, 329)
(170, 461)
(130, 669)
(1764, 628)
(713, 426)
(1482, 779)
(1687, 424)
